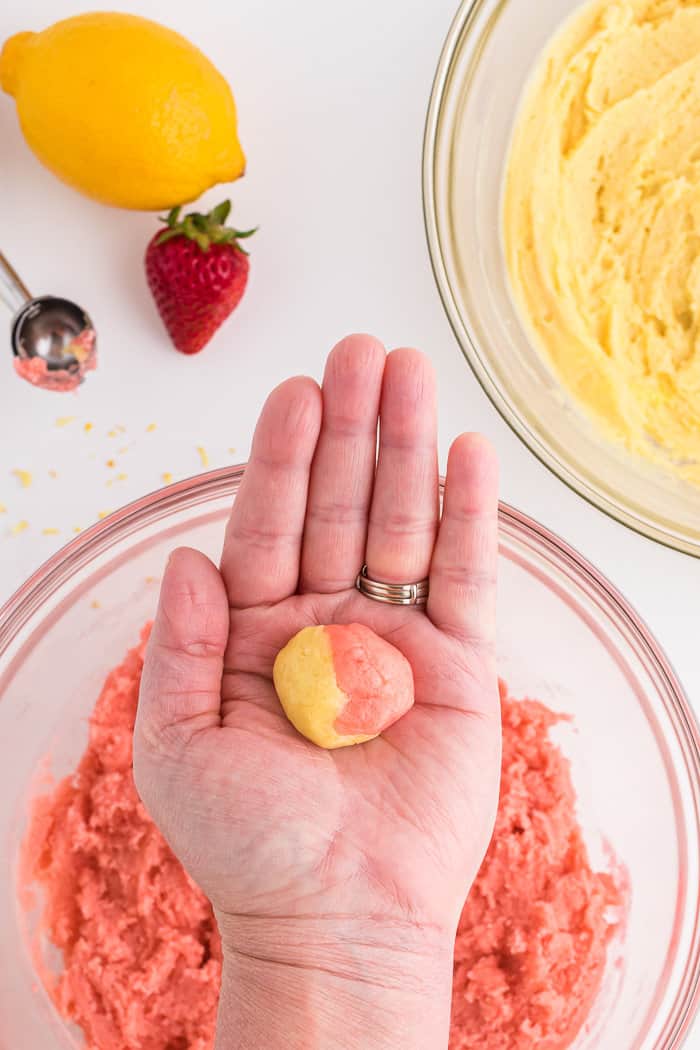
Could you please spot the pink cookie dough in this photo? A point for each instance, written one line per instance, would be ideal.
(141, 953)
(533, 938)
(35, 370)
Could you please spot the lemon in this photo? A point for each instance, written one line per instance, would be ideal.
(123, 109)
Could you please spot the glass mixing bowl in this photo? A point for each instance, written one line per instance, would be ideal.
(565, 636)
(490, 52)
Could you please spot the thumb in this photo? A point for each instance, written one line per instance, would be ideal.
(181, 681)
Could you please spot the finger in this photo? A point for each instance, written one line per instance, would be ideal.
(462, 600)
(260, 560)
(405, 507)
(181, 681)
(343, 468)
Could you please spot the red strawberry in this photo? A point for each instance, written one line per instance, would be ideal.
(197, 272)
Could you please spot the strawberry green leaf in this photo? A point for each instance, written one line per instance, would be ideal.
(220, 213)
(167, 235)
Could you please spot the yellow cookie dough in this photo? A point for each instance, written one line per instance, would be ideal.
(602, 220)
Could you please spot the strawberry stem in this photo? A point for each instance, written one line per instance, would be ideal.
(203, 228)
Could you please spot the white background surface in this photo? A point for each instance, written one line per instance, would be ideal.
(332, 99)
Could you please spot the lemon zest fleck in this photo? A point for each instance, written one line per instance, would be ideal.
(24, 477)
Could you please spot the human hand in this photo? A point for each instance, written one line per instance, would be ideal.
(337, 877)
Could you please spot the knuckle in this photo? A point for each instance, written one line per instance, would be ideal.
(260, 537)
(336, 512)
(469, 579)
(404, 523)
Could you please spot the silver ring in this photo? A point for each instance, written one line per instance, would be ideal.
(392, 593)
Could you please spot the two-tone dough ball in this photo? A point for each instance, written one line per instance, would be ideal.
(342, 684)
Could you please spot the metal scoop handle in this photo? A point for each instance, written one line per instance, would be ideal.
(13, 291)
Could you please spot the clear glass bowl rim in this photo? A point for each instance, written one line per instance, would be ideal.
(200, 489)
(537, 445)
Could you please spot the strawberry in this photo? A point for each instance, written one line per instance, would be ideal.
(197, 273)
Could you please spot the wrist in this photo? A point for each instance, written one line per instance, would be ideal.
(333, 984)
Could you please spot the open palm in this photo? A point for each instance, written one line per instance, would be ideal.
(268, 824)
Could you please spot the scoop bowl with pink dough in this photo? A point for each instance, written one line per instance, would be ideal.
(342, 684)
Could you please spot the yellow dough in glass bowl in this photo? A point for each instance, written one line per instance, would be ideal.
(602, 221)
